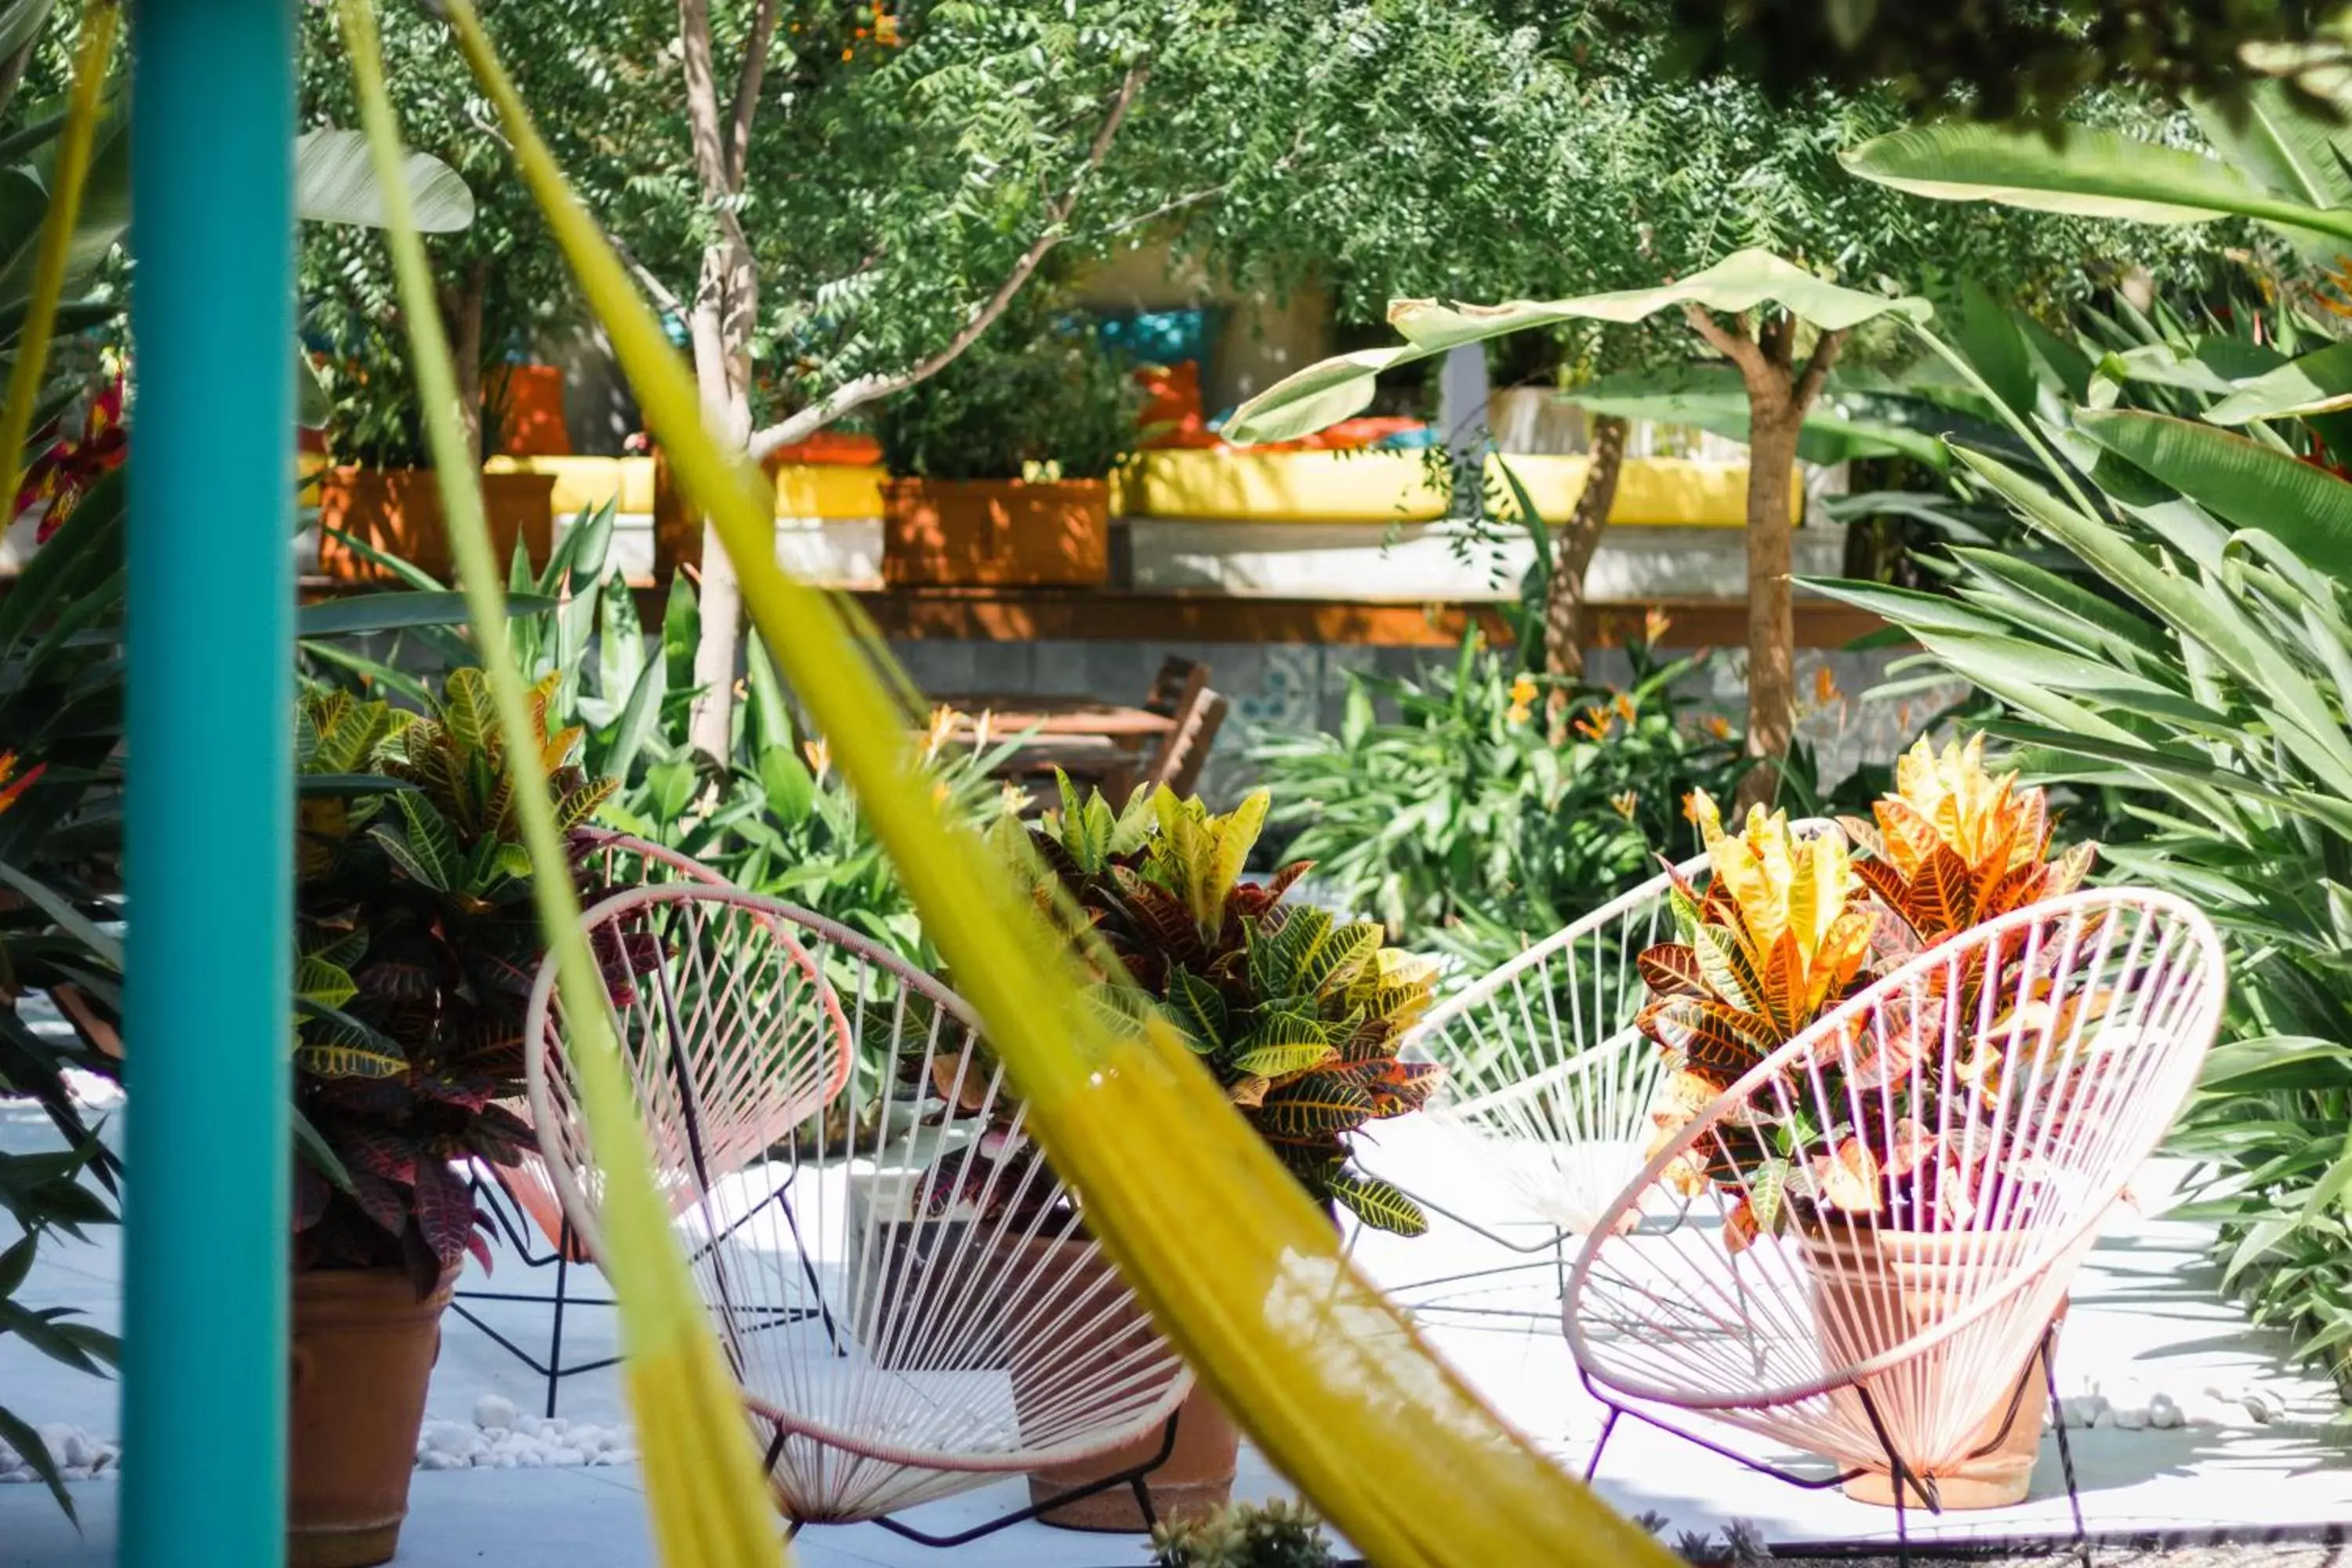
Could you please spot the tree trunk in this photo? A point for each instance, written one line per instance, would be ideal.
(461, 315)
(720, 372)
(1774, 421)
(726, 302)
(1571, 555)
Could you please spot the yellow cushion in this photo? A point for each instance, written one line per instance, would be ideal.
(1383, 486)
(828, 491)
(580, 481)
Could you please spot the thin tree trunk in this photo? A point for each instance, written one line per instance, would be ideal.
(461, 313)
(1571, 555)
(1773, 423)
(726, 302)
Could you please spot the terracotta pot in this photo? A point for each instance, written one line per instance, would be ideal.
(995, 532)
(1875, 1289)
(363, 1352)
(1196, 1479)
(398, 512)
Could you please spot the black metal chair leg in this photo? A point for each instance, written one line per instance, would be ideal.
(1608, 1428)
(555, 1337)
(2065, 1449)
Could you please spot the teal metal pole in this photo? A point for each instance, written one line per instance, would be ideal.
(209, 839)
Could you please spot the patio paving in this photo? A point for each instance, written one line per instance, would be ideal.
(2260, 1445)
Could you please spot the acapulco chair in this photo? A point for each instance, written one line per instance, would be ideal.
(1861, 1248)
(903, 1290)
(519, 1199)
(1548, 1091)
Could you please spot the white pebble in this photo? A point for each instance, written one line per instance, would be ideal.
(73, 1472)
(437, 1460)
(530, 1460)
(2163, 1411)
(617, 1456)
(454, 1440)
(2129, 1417)
(494, 1412)
(531, 1426)
(78, 1451)
(2083, 1409)
(566, 1457)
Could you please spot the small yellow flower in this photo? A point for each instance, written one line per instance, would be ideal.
(1523, 698)
(1690, 805)
(944, 720)
(1596, 723)
(820, 758)
(1011, 797)
(1624, 707)
(1623, 805)
(1656, 625)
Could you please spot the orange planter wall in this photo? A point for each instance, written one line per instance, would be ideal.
(995, 532)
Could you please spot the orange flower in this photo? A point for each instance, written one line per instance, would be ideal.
(1656, 625)
(1596, 723)
(13, 785)
(820, 758)
(1623, 805)
(1826, 687)
(1625, 708)
(1690, 805)
(1523, 697)
(1716, 725)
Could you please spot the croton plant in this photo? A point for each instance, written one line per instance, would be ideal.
(1790, 925)
(418, 942)
(1297, 1014)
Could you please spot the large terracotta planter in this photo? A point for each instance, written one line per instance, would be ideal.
(1197, 1477)
(398, 512)
(995, 532)
(363, 1352)
(1875, 1289)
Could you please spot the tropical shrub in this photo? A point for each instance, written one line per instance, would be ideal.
(417, 946)
(1053, 399)
(1245, 1535)
(1466, 821)
(1787, 927)
(774, 817)
(1299, 1015)
(2191, 664)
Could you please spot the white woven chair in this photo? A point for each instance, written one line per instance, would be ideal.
(1929, 1162)
(904, 1290)
(1548, 1092)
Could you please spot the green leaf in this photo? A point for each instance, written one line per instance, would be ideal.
(1199, 1008)
(1286, 1061)
(2240, 481)
(364, 612)
(335, 182)
(791, 788)
(36, 1453)
(105, 948)
(340, 1061)
(1379, 1204)
(2087, 173)
(1327, 392)
(638, 720)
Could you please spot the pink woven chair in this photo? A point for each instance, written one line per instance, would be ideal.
(903, 1288)
(1878, 1225)
(521, 1199)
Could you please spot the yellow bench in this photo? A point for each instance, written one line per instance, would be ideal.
(1393, 487)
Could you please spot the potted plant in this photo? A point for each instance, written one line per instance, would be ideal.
(1000, 467)
(1299, 1015)
(1788, 926)
(417, 944)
